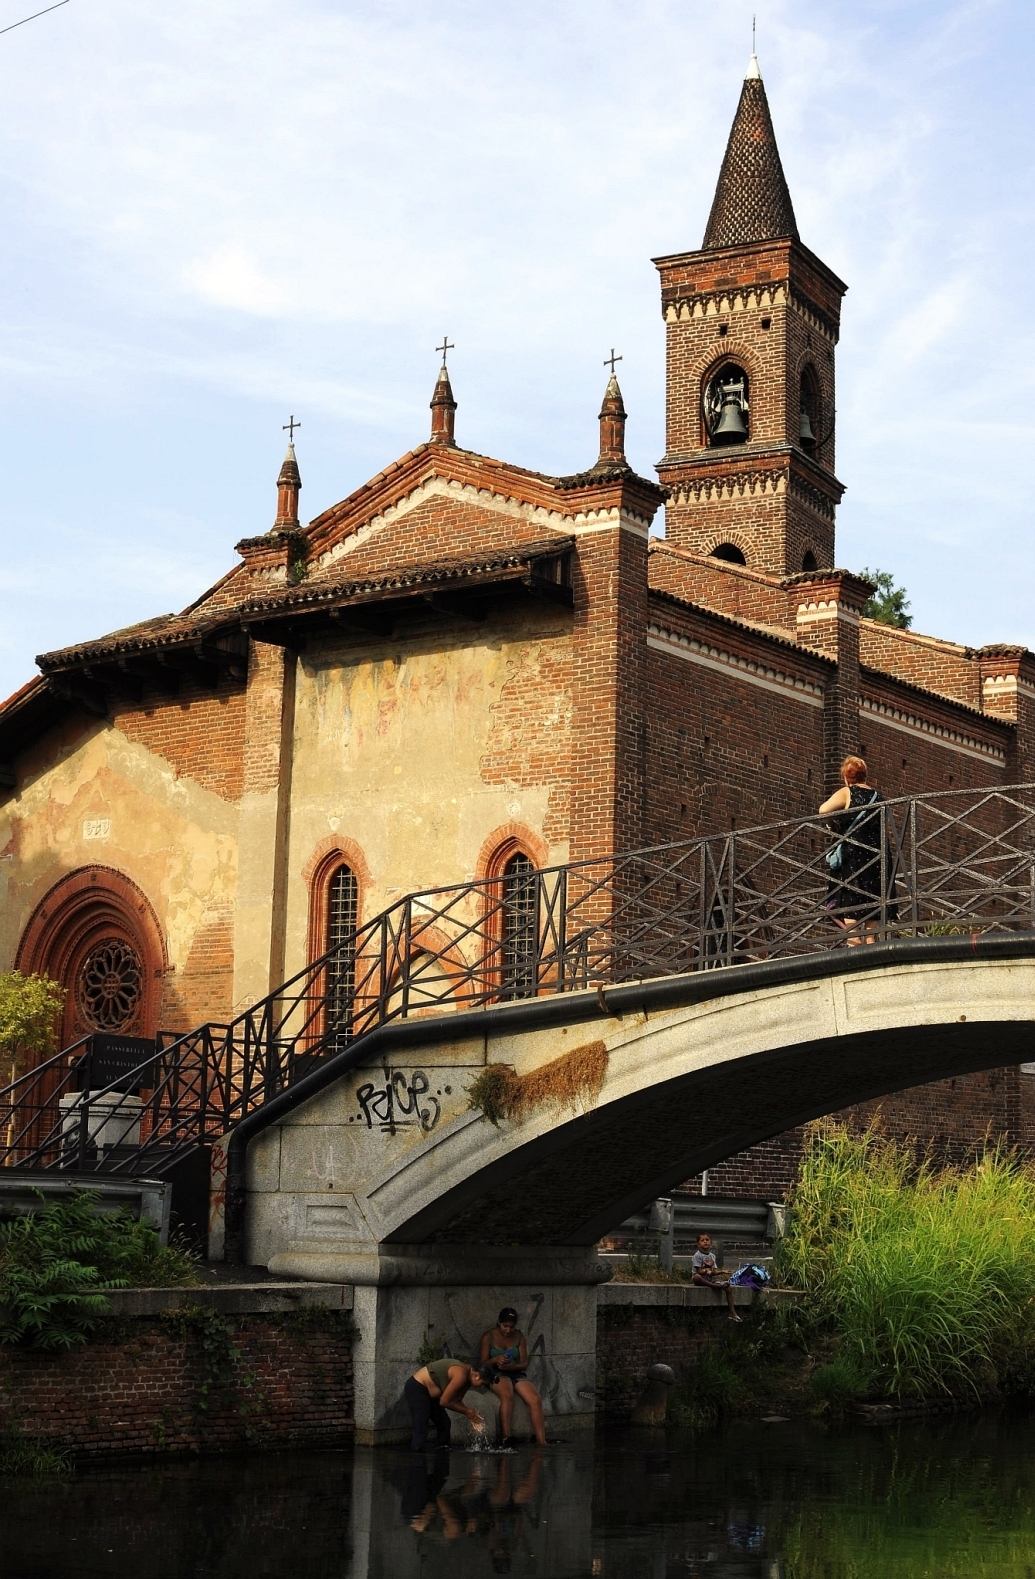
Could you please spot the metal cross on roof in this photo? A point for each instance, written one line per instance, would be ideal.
(289, 427)
(609, 361)
(446, 346)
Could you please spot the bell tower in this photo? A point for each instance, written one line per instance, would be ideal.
(752, 320)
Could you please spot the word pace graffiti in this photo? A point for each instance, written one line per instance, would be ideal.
(405, 1101)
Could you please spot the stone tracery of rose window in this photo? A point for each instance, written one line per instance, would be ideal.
(110, 985)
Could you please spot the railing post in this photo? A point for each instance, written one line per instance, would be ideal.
(883, 831)
(914, 870)
(731, 906)
(560, 904)
(84, 1130)
(407, 933)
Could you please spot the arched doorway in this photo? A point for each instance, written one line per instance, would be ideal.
(96, 933)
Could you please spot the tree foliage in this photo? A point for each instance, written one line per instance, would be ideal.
(29, 1010)
(889, 603)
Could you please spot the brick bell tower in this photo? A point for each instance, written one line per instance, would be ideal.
(752, 321)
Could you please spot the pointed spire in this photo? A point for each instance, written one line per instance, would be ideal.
(752, 202)
(612, 426)
(288, 484)
(443, 409)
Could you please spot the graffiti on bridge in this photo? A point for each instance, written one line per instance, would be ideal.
(404, 1101)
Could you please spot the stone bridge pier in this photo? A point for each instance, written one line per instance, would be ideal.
(445, 1296)
(376, 1170)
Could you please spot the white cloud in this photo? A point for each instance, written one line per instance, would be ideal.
(230, 278)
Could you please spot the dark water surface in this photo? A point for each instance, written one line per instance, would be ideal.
(792, 1501)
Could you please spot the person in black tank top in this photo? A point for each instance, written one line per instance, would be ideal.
(854, 897)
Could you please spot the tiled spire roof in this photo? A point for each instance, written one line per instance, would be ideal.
(752, 202)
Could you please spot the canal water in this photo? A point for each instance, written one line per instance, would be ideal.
(789, 1500)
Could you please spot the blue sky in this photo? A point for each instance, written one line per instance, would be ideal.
(219, 212)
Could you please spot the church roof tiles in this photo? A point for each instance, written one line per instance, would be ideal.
(752, 201)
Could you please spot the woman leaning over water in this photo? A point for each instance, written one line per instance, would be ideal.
(506, 1349)
(854, 895)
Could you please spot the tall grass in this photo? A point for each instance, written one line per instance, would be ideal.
(927, 1276)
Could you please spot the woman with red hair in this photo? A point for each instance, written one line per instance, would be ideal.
(855, 892)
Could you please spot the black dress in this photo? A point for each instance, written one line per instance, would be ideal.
(855, 889)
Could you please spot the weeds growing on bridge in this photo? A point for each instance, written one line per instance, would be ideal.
(925, 1276)
(500, 1092)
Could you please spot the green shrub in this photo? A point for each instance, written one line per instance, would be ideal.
(841, 1383)
(55, 1265)
(926, 1276)
(28, 1456)
(712, 1390)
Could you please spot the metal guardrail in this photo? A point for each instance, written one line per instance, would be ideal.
(953, 861)
(727, 1217)
(23, 1192)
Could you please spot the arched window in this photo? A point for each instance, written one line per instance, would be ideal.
(730, 553)
(726, 406)
(519, 927)
(809, 422)
(342, 914)
(809, 560)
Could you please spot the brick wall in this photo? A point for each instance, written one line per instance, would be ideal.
(202, 733)
(203, 989)
(730, 589)
(199, 731)
(529, 739)
(608, 691)
(143, 1393)
(729, 746)
(940, 666)
(914, 742)
(630, 1338)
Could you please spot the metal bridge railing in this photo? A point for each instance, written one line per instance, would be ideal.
(957, 861)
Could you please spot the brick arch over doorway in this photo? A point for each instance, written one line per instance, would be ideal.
(96, 933)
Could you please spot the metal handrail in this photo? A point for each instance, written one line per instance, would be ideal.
(954, 860)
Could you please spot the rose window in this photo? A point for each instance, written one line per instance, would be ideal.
(110, 985)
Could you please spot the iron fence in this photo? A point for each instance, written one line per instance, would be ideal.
(957, 861)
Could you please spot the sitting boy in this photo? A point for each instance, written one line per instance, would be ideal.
(706, 1272)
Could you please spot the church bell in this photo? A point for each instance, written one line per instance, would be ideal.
(805, 432)
(731, 427)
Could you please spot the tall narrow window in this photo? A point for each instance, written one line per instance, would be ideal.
(519, 929)
(342, 908)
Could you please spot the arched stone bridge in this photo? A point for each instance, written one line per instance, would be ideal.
(696, 1068)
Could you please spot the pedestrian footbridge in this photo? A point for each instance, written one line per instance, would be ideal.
(632, 1091)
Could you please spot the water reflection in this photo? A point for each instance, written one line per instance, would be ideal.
(791, 1501)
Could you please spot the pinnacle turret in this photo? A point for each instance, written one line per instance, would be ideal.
(443, 409)
(612, 426)
(288, 484)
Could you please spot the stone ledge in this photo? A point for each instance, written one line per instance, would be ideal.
(690, 1296)
(233, 1299)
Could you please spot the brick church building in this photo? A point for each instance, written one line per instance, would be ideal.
(465, 666)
